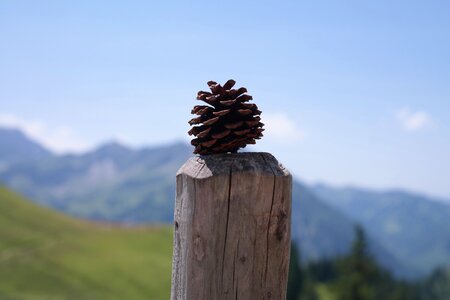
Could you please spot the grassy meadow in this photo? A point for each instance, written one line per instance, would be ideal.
(46, 255)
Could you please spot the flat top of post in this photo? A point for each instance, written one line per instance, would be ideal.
(205, 166)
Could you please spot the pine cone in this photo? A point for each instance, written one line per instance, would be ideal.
(229, 122)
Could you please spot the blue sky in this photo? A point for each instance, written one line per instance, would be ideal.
(352, 92)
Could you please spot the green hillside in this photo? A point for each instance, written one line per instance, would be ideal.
(45, 255)
(414, 228)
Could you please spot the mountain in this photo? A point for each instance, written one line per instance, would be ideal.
(117, 183)
(320, 230)
(414, 228)
(46, 255)
(324, 232)
(15, 147)
(111, 183)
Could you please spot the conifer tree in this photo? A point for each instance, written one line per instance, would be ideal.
(358, 272)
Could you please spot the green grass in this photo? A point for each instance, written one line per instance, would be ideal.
(46, 255)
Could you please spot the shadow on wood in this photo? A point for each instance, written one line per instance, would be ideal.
(232, 228)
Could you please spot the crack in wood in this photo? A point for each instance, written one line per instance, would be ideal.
(268, 230)
(227, 219)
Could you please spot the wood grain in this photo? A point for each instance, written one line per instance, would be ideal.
(232, 228)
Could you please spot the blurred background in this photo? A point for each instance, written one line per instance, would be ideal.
(94, 102)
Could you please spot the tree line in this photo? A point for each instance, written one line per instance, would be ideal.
(357, 276)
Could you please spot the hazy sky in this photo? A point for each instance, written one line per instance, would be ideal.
(352, 92)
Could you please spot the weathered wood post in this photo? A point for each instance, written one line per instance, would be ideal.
(232, 228)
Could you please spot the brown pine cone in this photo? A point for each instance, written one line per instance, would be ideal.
(228, 122)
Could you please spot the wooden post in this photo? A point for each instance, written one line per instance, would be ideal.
(232, 228)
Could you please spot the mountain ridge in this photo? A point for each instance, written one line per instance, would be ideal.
(16, 147)
(116, 183)
(398, 217)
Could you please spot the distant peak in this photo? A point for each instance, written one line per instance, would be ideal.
(16, 146)
(12, 131)
(113, 146)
